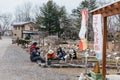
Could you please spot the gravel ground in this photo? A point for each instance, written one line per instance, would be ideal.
(15, 65)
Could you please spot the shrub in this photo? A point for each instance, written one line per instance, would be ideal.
(21, 41)
(27, 38)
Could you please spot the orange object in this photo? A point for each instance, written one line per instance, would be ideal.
(49, 55)
(80, 46)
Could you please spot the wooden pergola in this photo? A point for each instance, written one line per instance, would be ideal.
(105, 11)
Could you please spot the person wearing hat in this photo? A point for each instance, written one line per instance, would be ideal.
(35, 56)
(51, 55)
(33, 46)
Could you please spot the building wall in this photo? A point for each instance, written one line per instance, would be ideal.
(18, 29)
(29, 27)
(17, 32)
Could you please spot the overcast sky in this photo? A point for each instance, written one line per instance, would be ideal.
(10, 5)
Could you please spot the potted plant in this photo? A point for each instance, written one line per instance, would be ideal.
(96, 72)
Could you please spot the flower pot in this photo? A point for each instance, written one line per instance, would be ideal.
(96, 76)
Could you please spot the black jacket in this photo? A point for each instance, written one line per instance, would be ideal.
(34, 53)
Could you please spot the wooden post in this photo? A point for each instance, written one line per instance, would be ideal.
(107, 10)
(104, 47)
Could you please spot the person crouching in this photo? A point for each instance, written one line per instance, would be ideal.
(60, 53)
(51, 55)
(35, 56)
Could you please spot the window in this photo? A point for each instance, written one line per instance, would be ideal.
(23, 28)
(15, 28)
(18, 27)
(14, 34)
(31, 28)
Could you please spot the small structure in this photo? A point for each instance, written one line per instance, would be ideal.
(105, 11)
(24, 29)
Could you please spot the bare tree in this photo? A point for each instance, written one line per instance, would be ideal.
(117, 22)
(23, 12)
(35, 12)
(27, 11)
(5, 20)
(18, 14)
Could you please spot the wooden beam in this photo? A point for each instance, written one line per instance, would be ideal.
(104, 47)
(103, 10)
(108, 9)
(111, 12)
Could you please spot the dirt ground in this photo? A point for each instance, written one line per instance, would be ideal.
(16, 65)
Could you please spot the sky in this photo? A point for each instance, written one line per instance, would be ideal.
(10, 5)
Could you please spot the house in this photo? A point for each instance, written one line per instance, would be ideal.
(24, 29)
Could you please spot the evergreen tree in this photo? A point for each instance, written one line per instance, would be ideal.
(89, 5)
(50, 17)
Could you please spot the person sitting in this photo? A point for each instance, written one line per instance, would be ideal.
(60, 53)
(35, 56)
(73, 54)
(33, 46)
(51, 55)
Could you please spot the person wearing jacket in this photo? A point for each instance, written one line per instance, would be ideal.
(73, 54)
(35, 56)
(60, 53)
(50, 55)
(33, 46)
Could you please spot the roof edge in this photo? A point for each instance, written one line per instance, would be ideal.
(104, 6)
(21, 23)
